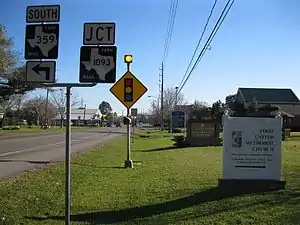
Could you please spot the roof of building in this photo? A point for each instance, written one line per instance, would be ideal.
(270, 95)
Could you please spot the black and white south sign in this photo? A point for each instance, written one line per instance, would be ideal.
(43, 13)
(99, 33)
(41, 41)
(98, 64)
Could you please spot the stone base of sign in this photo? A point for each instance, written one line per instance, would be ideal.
(128, 164)
(200, 142)
(250, 185)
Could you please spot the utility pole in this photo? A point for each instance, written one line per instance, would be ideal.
(162, 98)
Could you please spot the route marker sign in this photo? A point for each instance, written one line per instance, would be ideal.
(98, 64)
(40, 71)
(128, 89)
(99, 33)
(41, 41)
(43, 13)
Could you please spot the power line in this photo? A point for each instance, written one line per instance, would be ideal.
(209, 40)
(199, 41)
(170, 27)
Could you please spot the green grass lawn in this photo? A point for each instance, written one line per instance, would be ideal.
(167, 186)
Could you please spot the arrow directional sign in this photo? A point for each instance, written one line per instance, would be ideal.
(38, 68)
(40, 72)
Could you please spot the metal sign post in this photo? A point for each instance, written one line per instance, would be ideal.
(128, 162)
(134, 115)
(68, 86)
(68, 156)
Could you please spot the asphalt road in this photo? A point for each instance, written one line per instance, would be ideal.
(20, 154)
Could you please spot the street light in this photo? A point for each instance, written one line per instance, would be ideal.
(176, 93)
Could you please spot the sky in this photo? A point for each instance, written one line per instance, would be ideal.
(257, 45)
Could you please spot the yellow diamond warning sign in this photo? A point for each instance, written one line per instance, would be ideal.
(128, 89)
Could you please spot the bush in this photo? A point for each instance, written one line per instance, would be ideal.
(180, 141)
(11, 128)
(177, 130)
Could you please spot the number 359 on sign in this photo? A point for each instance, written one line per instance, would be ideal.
(42, 41)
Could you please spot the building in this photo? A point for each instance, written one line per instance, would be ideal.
(285, 99)
(83, 116)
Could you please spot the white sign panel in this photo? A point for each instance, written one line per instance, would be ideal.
(99, 34)
(40, 72)
(252, 148)
(43, 13)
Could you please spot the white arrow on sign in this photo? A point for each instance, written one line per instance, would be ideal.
(40, 72)
(101, 64)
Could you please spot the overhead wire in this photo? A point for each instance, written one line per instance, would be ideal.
(209, 40)
(199, 41)
(170, 27)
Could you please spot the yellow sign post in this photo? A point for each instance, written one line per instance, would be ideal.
(128, 90)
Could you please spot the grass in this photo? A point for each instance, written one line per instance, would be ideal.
(167, 186)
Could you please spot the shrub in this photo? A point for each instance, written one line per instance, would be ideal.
(180, 141)
(11, 128)
(177, 130)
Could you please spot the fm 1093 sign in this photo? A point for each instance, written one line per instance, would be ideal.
(252, 148)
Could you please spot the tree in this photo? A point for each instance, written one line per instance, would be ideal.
(8, 59)
(200, 104)
(168, 105)
(12, 74)
(59, 100)
(229, 102)
(234, 107)
(217, 110)
(34, 110)
(200, 109)
(105, 108)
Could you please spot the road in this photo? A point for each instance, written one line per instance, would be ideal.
(21, 154)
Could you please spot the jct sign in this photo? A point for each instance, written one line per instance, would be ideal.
(252, 148)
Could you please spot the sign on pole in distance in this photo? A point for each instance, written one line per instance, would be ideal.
(134, 112)
(98, 64)
(128, 89)
(43, 13)
(252, 148)
(41, 41)
(99, 33)
(40, 71)
(178, 119)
